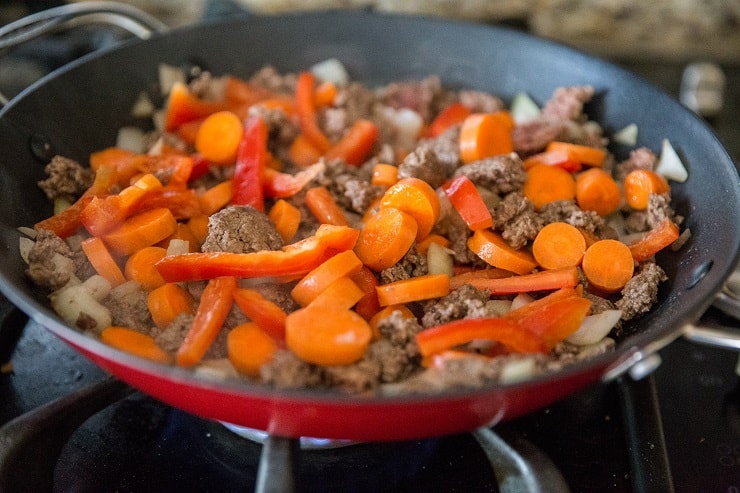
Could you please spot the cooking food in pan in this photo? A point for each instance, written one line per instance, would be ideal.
(304, 230)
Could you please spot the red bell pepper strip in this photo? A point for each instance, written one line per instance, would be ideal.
(665, 233)
(292, 260)
(356, 144)
(215, 305)
(466, 200)
(306, 109)
(557, 157)
(183, 106)
(454, 114)
(67, 222)
(281, 185)
(251, 162)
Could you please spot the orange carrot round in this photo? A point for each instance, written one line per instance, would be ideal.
(385, 238)
(547, 184)
(249, 347)
(416, 198)
(102, 260)
(558, 245)
(342, 293)
(167, 302)
(141, 230)
(134, 342)
(608, 265)
(414, 289)
(140, 267)
(326, 335)
(486, 134)
(590, 155)
(597, 191)
(639, 184)
(340, 265)
(492, 248)
(218, 137)
(384, 174)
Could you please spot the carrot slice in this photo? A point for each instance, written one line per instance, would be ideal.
(589, 155)
(218, 137)
(486, 134)
(368, 305)
(384, 174)
(545, 280)
(167, 302)
(324, 93)
(639, 184)
(302, 152)
(266, 314)
(385, 238)
(286, 218)
(101, 259)
(356, 144)
(466, 277)
(199, 226)
(440, 240)
(183, 106)
(326, 335)
(323, 206)
(216, 197)
(414, 289)
(249, 347)
(140, 267)
(665, 233)
(467, 201)
(215, 305)
(134, 342)
(559, 245)
(386, 312)
(545, 184)
(340, 265)
(416, 198)
(608, 265)
(492, 248)
(141, 230)
(597, 191)
(342, 293)
(553, 158)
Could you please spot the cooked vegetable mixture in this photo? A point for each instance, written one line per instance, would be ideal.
(304, 230)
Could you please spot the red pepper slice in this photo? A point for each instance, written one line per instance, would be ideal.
(306, 110)
(467, 201)
(454, 114)
(282, 185)
(251, 162)
(292, 260)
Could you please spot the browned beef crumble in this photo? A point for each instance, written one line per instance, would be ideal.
(516, 219)
(498, 174)
(50, 261)
(66, 178)
(464, 302)
(128, 307)
(241, 229)
(641, 292)
(412, 264)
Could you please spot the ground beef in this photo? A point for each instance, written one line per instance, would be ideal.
(641, 292)
(640, 158)
(659, 208)
(532, 137)
(282, 130)
(481, 102)
(413, 264)
(636, 222)
(50, 261)
(272, 80)
(241, 229)
(66, 178)
(432, 161)
(287, 371)
(567, 211)
(418, 96)
(334, 122)
(278, 293)
(499, 174)
(128, 307)
(464, 302)
(356, 100)
(170, 338)
(349, 186)
(457, 233)
(516, 219)
(567, 103)
(598, 304)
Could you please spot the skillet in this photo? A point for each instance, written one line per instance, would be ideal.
(79, 108)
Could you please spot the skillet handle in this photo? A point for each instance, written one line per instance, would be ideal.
(717, 336)
(68, 16)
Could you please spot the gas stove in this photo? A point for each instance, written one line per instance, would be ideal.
(68, 426)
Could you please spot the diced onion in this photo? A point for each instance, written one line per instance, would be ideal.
(498, 307)
(595, 327)
(439, 259)
(524, 109)
(407, 123)
(72, 301)
(331, 70)
(626, 136)
(98, 286)
(517, 370)
(520, 300)
(143, 106)
(26, 231)
(670, 165)
(178, 247)
(131, 139)
(216, 369)
(168, 76)
(25, 245)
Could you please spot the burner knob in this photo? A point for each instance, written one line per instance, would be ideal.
(645, 366)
